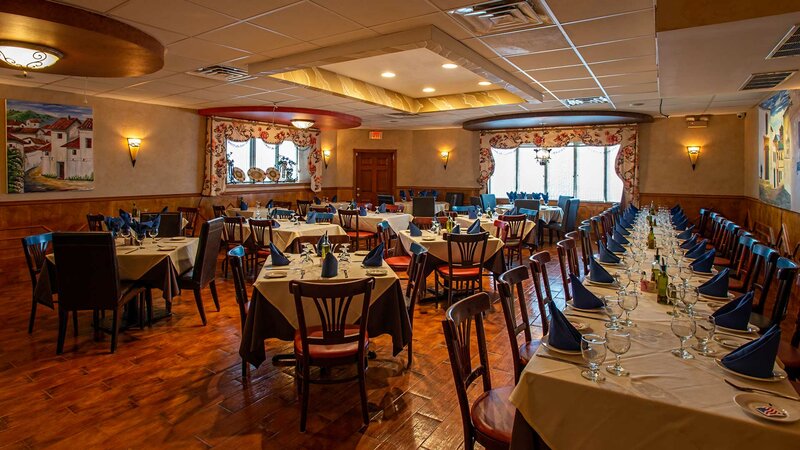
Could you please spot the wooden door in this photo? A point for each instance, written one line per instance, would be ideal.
(374, 174)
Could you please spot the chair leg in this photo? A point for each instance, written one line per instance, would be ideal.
(362, 387)
(114, 329)
(148, 299)
(62, 329)
(410, 354)
(199, 300)
(33, 316)
(213, 286)
(304, 399)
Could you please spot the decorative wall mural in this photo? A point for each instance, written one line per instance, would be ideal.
(49, 147)
(778, 153)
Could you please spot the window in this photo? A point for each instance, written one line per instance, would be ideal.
(257, 153)
(581, 171)
(88, 143)
(74, 152)
(60, 135)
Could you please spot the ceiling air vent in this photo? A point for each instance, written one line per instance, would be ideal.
(584, 101)
(222, 73)
(402, 115)
(788, 46)
(502, 15)
(766, 80)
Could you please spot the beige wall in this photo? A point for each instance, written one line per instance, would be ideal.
(664, 165)
(169, 162)
(751, 145)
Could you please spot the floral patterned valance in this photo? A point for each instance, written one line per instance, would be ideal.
(219, 131)
(627, 164)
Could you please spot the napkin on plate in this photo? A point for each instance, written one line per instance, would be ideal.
(362, 210)
(581, 297)
(675, 209)
(682, 225)
(704, 263)
(678, 218)
(456, 230)
(278, 258)
(330, 266)
(698, 250)
(613, 245)
(605, 255)
(475, 228)
(311, 218)
(414, 230)
(472, 212)
(375, 257)
(686, 234)
(690, 242)
(382, 208)
(756, 358)
(620, 238)
(126, 218)
(562, 334)
(618, 228)
(736, 313)
(598, 274)
(114, 224)
(717, 286)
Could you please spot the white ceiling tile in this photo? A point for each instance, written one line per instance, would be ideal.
(290, 50)
(376, 12)
(191, 81)
(175, 15)
(94, 5)
(571, 10)
(350, 36)
(267, 84)
(628, 48)
(205, 51)
(243, 9)
(177, 100)
(161, 88)
(480, 47)
(631, 78)
(306, 21)
(447, 5)
(630, 65)
(178, 63)
(756, 96)
(163, 36)
(235, 90)
(560, 73)
(545, 60)
(612, 28)
(31, 77)
(573, 93)
(272, 97)
(528, 41)
(633, 89)
(704, 99)
(441, 20)
(566, 85)
(249, 38)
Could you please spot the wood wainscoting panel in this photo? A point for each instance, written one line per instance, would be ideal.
(731, 206)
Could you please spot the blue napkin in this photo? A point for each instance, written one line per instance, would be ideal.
(311, 218)
(633, 208)
(690, 242)
(317, 200)
(334, 198)
(275, 224)
(375, 257)
(456, 230)
(475, 228)
(362, 211)
(626, 223)
(382, 208)
(414, 230)
(126, 218)
(546, 197)
(620, 238)
(756, 358)
(698, 250)
(562, 334)
(114, 224)
(581, 297)
(417, 249)
(318, 247)
(269, 204)
(278, 258)
(331, 208)
(614, 246)
(410, 192)
(472, 212)
(678, 218)
(717, 286)
(382, 226)
(682, 225)
(686, 234)
(619, 228)
(704, 263)
(736, 313)
(330, 266)
(598, 274)
(402, 195)
(605, 255)
(675, 209)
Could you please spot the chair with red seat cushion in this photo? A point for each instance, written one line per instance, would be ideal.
(414, 290)
(466, 254)
(507, 284)
(334, 342)
(398, 263)
(490, 419)
(423, 223)
(348, 219)
(235, 255)
(261, 231)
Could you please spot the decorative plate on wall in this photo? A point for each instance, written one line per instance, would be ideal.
(256, 174)
(238, 174)
(273, 174)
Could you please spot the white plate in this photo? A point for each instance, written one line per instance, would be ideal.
(429, 238)
(376, 272)
(731, 342)
(558, 350)
(705, 274)
(167, 249)
(580, 326)
(768, 407)
(719, 299)
(599, 283)
(177, 239)
(362, 253)
(594, 311)
(777, 373)
(751, 329)
(276, 274)
(597, 258)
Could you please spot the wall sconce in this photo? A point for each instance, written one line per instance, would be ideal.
(326, 157)
(133, 149)
(694, 152)
(445, 155)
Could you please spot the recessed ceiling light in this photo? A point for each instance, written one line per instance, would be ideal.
(485, 83)
(428, 89)
(388, 74)
(449, 65)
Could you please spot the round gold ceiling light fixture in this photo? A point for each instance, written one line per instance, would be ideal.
(388, 74)
(485, 83)
(28, 56)
(428, 89)
(449, 66)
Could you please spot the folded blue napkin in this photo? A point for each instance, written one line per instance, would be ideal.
(402, 195)
(269, 204)
(414, 230)
(417, 249)
(330, 266)
(311, 218)
(677, 218)
(114, 224)
(375, 257)
(275, 224)
(475, 228)
(619, 228)
(562, 334)
(698, 250)
(620, 238)
(598, 274)
(382, 208)
(382, 226)
(126, 218)
(456, 230)
(633, 208)
(472, 212)
(675, 209)
(704, 263)
(317, 200)
(614, 246)
(362, 210)
(736, 313)
(682, 225)
(756, 358)
(626, 223)
(278, 258)
(690, 242)
(331, 208)
(717, 286)
(581, 297)
(605, 255)
(686, 234)
(318, 247)
(334, 198)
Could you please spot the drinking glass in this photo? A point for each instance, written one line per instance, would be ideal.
(613, 310)
(706, 327)
(125, 233)
(344, 262)
(689, 298)
(593, 350)
(152, 232)
(635, 276)
(674, 298)
(623, 279)
(618, 343)
(138, 238)
(628, 301)
(685, 272)
(684, 327)
(673, 271)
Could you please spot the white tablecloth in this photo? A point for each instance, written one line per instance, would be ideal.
(488, 225)
(438, 246)
(408, 207)
(397, 221)
(287, 232)
(551, 214)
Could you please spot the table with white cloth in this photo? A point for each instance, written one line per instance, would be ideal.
(547, 213)
(287, 232)
(397, 221)
(437, 251)
(488, 225)
(408, 207)
(666, 402)
(272, 312)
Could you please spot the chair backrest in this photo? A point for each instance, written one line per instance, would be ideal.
(170, 223)
(395, 208)
(454, 198)
(233, 230)
(469, 249)
(541, 286)
(489, 201)
(318, 208)
(302, 206)
(282, 204)
(562, 202)
(728, 241)
(475, 201)
(424, 206)
(332, 301)
(760, 273)
(516, 225)
(568, 262)
(190, 214)
(348, 219)
(701, 227)
(95, 221)
(385, 237)
(205, 262)
(786, 276)
(571, 214)
(35, 248)
(533, 205)
(416, 281)
(235, 256)
(324, 217)
(261, 230)
(587, 252)
(597, 229)
(508, 283)
(457, 326)
(740, 256)
(424, 223)
(219, 211)
(386, 199)
(86, 270)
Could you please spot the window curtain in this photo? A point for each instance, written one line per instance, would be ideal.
(626, 165)
(220, 131)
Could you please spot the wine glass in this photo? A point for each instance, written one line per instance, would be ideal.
(689, 298)
(593, 350)
(618, 343)
(138, 238)
(706, 327)
(152, 232)
(673, 297)
(613, 310)
(636, 277)
(684, 327)
(685, 272)
(344, 262)
(628, 301)
(125, 233)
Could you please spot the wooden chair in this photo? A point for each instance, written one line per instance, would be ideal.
(219, 211)
(786, 275)
(515, 237)
(568, 262)
(348, 219)
(233, 236)
(36, 248)
(96, 222)
(789, 354)
(261, 231)
(297, 245)
(703, 222)
(335, 342)
(98, 289)
(190, 214)
(489, 420)
(587, 252)
(760, 274)
(170, 223)
(282, 204)
(463, 273)
(324, 217)
(424, 223)
(302, 207)
(236, 255)
(205, 264)
(318, 208)
(507, 283)
(740, 261)
(398, 263)
(414, 292)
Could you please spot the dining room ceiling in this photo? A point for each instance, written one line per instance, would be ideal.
(592, 49)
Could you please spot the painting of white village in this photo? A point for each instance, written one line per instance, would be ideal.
(49, 147)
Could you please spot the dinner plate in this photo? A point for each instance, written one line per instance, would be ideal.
(177, 239)
(595, 310)
(362, 253)
(376, 272)
(600, 283)
(558, 350)
(720, 299)
(730, 341)
(429, 238)
(751, 329)
(166, 249)
(768, 407)
(597, 258)
(276, 274)
(777, 373)
(705, 274)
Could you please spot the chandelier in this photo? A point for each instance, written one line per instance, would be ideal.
(302, 123)
(28, 56)
(543, 156)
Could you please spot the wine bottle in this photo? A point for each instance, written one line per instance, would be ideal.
(651, 239)
(662, 286)
(135, 212)
(326, 246)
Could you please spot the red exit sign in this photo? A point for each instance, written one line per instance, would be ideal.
(376, 135)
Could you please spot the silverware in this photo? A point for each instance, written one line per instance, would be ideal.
(763, 391)
(130, 251)
(564, 360)
(586, 316)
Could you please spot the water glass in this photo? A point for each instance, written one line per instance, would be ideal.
(706, 327)
(613, 310)
(684, 327)
(636, 277)
(593, 350)
(628, 301)
(689, 298)
(152, 232)
(618, 343)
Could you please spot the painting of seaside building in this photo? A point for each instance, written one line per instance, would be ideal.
(779, 118)
(49, 147)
